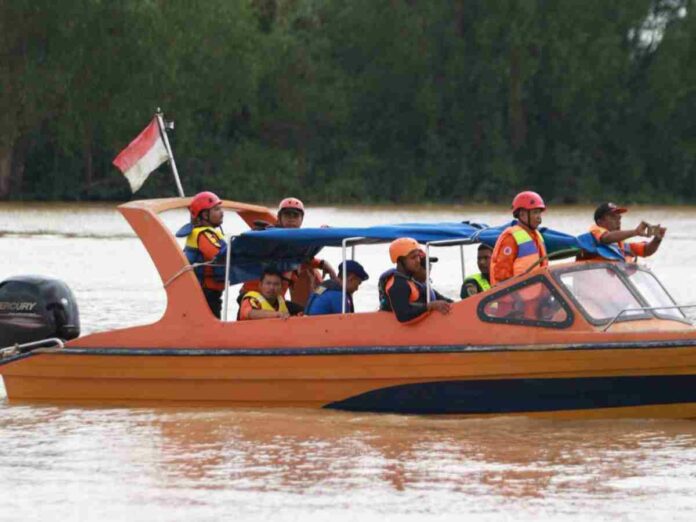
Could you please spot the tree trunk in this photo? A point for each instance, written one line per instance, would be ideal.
(5, 171)
(19, 162)
(516, 113)
(88, 159)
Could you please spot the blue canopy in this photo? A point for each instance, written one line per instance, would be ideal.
(287, 248)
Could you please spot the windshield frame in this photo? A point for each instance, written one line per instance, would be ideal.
(621, 273)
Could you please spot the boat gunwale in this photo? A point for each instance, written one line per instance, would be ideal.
(371, 350)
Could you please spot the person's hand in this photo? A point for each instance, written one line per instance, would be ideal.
(660, 232)
(441, 306)
(642, 229)
(282, 315)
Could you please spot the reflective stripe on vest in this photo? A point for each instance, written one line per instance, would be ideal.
(480, 280)
(525, 244)
(265, 305)
(527, 251)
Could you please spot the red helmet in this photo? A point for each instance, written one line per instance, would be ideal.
(402, 247)
(203, 201)
(527, 200)
(291, 203)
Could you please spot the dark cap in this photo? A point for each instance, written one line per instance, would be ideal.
(353, 267)
(605, 208)
(432, 259)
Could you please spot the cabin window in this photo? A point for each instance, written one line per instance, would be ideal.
(533, 302)
(653, 292)
(602, 293)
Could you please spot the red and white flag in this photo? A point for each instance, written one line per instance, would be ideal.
(143, 155)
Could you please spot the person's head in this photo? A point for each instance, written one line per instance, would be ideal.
(483, 258)
(271, 283)
(355, 275)
(608, 215)
(527, 208)
(405, 252)
(290, 213)
(206, 209)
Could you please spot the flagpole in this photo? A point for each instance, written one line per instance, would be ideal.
(163, 132)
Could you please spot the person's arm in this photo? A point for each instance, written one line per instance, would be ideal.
(404, 310)
(325, 267)
(209, 245)
(622, 235)
(503, 259)
(266, 314)
(651, 247)
(440, 297)
(251, 309)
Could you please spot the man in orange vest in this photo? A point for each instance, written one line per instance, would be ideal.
(520, 246)
(408, 298)
(267, 302)
(607, 231)
(203, 244)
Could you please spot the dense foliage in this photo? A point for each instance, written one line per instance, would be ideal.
(353, 101)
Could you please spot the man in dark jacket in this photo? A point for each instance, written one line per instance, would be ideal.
(328, 297)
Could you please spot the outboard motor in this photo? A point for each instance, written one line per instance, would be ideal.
(33, 308)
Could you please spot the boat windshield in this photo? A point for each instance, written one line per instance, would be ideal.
(601, 293)
(653, 292)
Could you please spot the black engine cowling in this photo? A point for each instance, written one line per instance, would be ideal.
(33, 308)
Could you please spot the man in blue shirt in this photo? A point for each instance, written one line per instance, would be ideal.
(326, 299)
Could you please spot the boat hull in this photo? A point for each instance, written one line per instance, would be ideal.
(571, 382)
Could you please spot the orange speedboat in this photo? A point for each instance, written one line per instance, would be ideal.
(603, 340)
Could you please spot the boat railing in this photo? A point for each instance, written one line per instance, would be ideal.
(645, 309)
(226, 293)
(352, 241)
(445, 242)
(17, 349)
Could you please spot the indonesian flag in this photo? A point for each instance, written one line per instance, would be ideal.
(144, 154)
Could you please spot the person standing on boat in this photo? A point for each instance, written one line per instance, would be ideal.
(521, 246)
(406, 296)
(306, 277)
(607, 231)
(327, 297)
(267, 303)
(203, 244)
(480, 282)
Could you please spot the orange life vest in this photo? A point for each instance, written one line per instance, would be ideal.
(528, 253)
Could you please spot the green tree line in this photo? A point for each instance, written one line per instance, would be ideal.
(353, 100)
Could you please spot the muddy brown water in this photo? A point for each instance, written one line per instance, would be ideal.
(95, 463)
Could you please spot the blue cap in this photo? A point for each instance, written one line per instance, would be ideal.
(353, 267)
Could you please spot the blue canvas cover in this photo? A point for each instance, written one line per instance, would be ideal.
(286, 248)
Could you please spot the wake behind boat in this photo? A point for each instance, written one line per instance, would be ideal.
(607, 339)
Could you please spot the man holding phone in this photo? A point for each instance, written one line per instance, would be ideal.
(607, 231)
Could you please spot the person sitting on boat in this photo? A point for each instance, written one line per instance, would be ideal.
(307, 276)
(268, 302)
(607, 231)
(204, 242)
(419, 277)
(405, 295)
(520, 247)
(327, 297)
(480, 282)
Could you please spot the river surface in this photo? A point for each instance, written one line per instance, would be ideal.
(90, 463)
